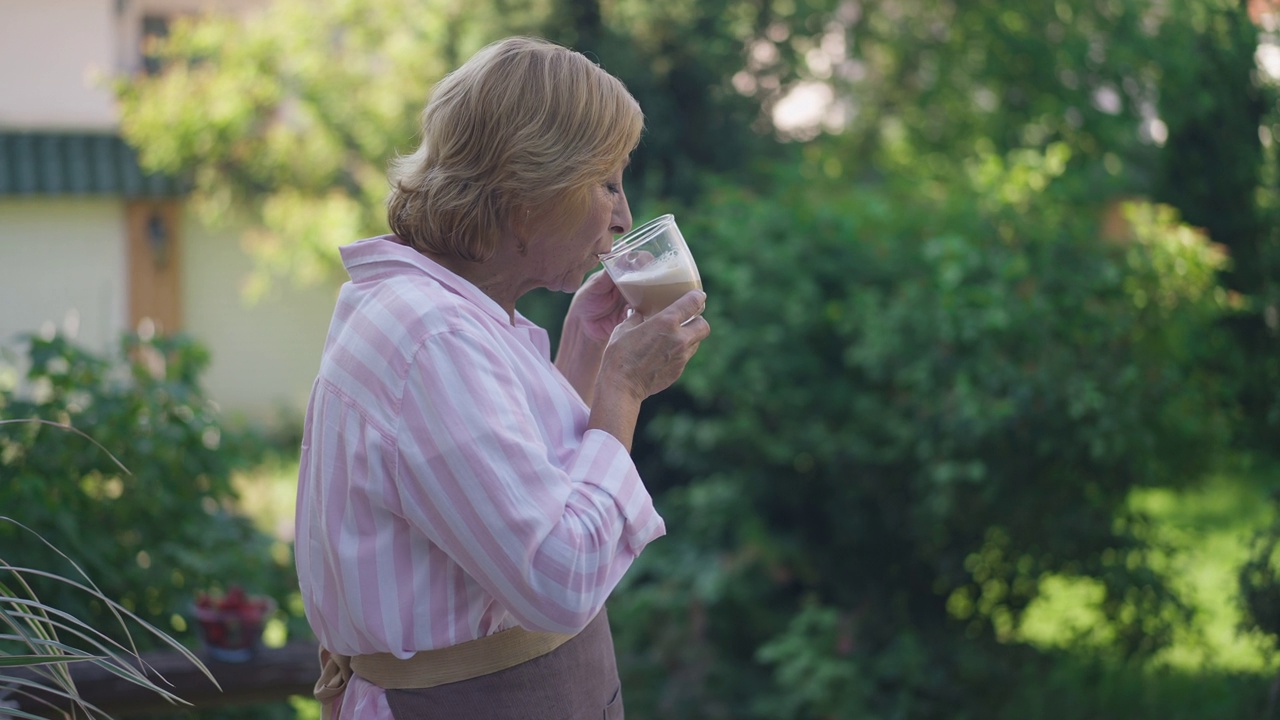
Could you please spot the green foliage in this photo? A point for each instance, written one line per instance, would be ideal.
(962, 75)
(286, 119)
(932, 383)
(1155, 99)
(1222, 114)
(921, 403)
(679, 58)
(1215, 104)
(143, 499)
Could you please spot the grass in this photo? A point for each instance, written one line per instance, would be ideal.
(1208, 529)
(267, 496)
(1212, 528)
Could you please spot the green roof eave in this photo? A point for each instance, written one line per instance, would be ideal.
(52, 163)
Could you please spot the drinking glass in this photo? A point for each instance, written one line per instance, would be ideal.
(652, 266)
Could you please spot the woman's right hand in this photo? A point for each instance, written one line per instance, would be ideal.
(646, 355)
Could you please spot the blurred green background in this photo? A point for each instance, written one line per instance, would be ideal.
(989, 422)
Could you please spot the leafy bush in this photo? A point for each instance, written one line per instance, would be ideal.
(915, 403)
(143, 502)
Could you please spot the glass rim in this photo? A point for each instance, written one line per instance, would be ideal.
(639, 235)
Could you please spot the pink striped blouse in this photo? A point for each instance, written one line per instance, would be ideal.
(448, 487)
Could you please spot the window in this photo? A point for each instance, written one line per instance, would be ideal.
(154, 28)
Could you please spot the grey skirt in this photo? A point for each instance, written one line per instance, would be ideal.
(576, 681)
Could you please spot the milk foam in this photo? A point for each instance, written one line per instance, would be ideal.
(659, 283)
(666, 269)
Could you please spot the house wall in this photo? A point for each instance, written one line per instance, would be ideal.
(51, 54)
(63, 264)
(63, 267)
(57, 56)
(265, 354)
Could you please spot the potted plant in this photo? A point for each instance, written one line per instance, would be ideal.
(230, 625)
(46, 644)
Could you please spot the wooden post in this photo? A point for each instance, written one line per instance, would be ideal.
(155, 263)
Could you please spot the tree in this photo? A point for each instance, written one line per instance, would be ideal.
(1154, 99)
(678, 59)
(285, 120)
(915, 407)
(1219, 109)
(932, 381)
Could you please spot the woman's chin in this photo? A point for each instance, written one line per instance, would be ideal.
(573, 283)
(566, 286)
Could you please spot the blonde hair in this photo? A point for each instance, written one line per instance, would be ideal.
(524, 125)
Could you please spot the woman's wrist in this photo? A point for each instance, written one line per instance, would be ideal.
(616, 410)
(579, 358)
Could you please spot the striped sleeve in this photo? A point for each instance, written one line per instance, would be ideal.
(547, 532)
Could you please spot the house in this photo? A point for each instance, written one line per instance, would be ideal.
(92, 245)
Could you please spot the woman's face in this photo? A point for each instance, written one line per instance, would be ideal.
(561, 260)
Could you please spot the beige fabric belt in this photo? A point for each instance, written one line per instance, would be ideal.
(430, 668)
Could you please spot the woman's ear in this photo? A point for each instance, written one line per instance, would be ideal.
(520, 224)
(520, 221)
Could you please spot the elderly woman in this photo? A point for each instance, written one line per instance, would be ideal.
(465, 505)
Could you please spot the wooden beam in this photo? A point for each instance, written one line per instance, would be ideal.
(272, 674)
(154, 231)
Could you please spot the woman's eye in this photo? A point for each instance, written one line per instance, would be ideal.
(613, 188)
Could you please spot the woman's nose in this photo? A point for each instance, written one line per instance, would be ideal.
(621, 219)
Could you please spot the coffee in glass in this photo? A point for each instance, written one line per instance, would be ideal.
(652, 266)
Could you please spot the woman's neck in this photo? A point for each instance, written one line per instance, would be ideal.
(496, 277)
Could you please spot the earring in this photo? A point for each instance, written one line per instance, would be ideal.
(521, 248)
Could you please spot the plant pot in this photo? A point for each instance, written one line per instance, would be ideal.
(233, 635)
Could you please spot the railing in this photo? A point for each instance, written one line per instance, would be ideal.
(272, 674)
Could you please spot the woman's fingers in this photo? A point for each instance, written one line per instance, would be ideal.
(597, 307)
(687, 307)
(650, 354)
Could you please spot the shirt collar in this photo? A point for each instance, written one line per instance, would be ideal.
(384, 256)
